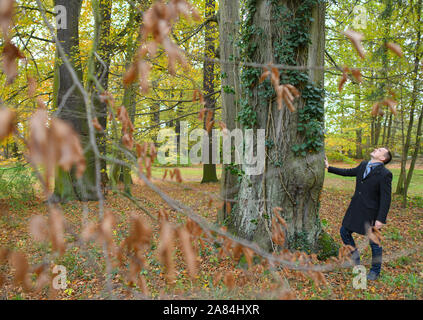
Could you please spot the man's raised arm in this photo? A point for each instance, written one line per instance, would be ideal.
(342, 172)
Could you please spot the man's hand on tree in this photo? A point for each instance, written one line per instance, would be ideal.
(326, 162)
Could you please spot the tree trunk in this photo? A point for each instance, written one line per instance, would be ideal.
(415, 153)
(101, 66)
(73, 109)
(209, 169)
(402, 181)
(290, 181)
(359, 131)
(118, 172)
(359, 144)
(228, 32)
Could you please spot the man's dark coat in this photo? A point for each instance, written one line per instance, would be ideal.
(372, 196)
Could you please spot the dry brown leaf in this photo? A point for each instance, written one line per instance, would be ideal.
(140, 233)
(274, 77)
(106, 97)
(287, 295)
(237, 251)
(97, 125)
(6, 15)
(343, 79)
(106, 227)
(357, 75)
(4, 253)
(2, 279)
(375, 235)
(66, 145)
(153, 151)
(54, 145)
(375, 109)
(178, 176)
(198, 95)
(287, 100)
(201, 114)
(293, 90)
(279, 96)
(264, 75)
(165, 249)
(356, 39)
(189, 254)
(209, 120)
(42, 281)
(130, 75)
(391, 105)
(10, 67)
(229, 280)
(57, 230)
(148, 163)
(38, 228)
(19, 262)
(395, 49)
(142, 284)
(249, 254)
(228, 208)
(7, 122)
(32, 86)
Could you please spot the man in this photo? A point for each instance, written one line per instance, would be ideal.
(370, 204)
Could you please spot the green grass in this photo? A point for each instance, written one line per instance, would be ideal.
(348, 183)
(194, 173)
(332, 181)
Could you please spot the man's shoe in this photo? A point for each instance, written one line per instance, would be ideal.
(372, 276)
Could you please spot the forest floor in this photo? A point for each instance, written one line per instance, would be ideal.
(401, 277)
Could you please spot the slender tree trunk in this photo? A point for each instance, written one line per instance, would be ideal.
(389, 132)
(101, 66)
(118, 172)
(209, 169)
(228, 32)
(359, 131)
(402, 182)
(416, 152)
(359, 144)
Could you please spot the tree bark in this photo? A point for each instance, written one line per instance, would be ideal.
(228, 32)
(296, 185)
(402, 181)
(209, 169)
(101, 66)
(359, 131)
(73, 109)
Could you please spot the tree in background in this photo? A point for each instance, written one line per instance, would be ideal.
(229, 28)
(209, 169)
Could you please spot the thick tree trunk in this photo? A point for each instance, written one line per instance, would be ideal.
(228, 32)
(291, 182)
(73, 109)
(209, 169)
